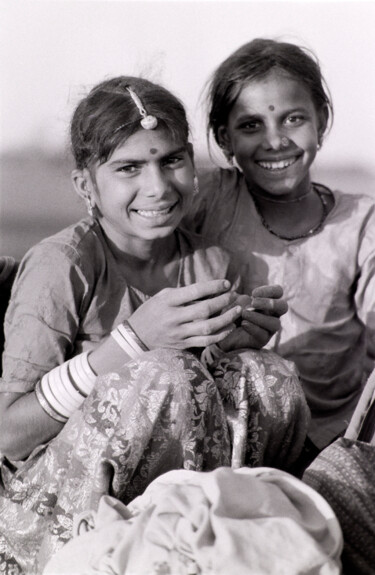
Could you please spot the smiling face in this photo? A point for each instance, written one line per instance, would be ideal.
(273, 131)
(143, 190)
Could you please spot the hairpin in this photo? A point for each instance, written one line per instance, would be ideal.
(148, 122)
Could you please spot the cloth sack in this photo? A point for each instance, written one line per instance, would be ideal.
(259, 521)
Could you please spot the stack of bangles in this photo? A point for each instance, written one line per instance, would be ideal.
(62, 390)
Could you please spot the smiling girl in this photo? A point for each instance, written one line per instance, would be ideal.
(269, 110)
(125, 295)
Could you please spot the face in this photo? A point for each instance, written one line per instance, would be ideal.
(273, 131)
(144, 189)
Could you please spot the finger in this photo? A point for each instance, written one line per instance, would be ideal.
(258, 336)
(201, 290)
(205, 340)
(253, 318)
(213, 326)
(273, 291)
(207, 308)
(276, 307)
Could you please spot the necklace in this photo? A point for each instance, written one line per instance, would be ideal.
(280, 201)
(310, 232)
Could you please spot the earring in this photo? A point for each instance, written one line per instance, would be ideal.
(195, 185)
(318, 146)
(89, 205)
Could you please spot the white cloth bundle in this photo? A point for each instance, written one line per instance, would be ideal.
(260, 521)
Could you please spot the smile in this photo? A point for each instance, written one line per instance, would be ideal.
(277, 166)
(155, 213)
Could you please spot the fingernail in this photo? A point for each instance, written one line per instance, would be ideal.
(226, 284)
(250, 306)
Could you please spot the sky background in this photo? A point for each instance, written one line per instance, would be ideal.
(53, 51)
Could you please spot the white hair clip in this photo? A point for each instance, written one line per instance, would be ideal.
(148, 122)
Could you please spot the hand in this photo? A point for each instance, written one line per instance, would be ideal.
(191, 316)
(260, 318)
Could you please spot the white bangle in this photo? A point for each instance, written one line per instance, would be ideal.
(65, 387)
(128, 340)
(46, 406)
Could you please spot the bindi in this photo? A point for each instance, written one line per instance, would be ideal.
(271, 108)
(153, 150)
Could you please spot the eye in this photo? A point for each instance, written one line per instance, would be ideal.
(128, 169)
(174, 161)
(295, 119)
(251, 125)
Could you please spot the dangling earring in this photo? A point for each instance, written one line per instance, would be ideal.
(89, 205)
(195, 185)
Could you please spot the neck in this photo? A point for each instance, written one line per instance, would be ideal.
(139, 253)
(288, 197)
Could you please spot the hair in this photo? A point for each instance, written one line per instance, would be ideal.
(108, 116)
(253, 61)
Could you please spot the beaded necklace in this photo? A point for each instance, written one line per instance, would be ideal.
(310, 232)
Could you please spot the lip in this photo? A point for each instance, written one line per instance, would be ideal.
(277, 164)
(155, 211)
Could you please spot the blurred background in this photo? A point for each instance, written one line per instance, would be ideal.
(53, 51)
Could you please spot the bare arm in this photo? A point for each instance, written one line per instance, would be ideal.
(176, 317)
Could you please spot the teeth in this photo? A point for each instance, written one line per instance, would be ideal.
(277, 165)
(153, 213)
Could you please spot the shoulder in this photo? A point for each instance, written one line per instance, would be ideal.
(77, 245)
(358, 206)
(70, 259)
(75, 241)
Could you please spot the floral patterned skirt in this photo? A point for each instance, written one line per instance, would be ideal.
(164, 411)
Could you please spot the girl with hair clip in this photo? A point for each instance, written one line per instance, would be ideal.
(127, 347)
(269, 110)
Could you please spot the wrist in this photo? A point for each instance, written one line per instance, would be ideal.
(128, 340)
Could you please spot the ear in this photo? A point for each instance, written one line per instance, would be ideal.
(82, 183)
(224, 142)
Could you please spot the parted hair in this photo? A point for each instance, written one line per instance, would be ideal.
(107, 116)
(253, 61)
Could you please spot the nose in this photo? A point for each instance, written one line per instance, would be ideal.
(155, 182)
(273, 138)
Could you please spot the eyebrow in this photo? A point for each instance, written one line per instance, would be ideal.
(120, 161)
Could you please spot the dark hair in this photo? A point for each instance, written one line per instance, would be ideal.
(255, 60)
(107, 116)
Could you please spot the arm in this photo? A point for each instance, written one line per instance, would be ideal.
(177, 317)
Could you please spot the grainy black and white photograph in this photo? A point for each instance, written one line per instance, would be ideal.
(187, 287)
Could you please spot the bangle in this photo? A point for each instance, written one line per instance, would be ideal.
(128, 340)
(46, 406)
(62, 390)
(126, 325)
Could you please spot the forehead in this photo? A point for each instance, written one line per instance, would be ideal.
(275, 92)
(147, 142)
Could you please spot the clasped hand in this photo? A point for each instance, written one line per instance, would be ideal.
(209, 312)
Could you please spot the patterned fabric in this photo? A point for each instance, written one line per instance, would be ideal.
(328, 281)
(344, 475)
(70, 292)
(164, 411)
